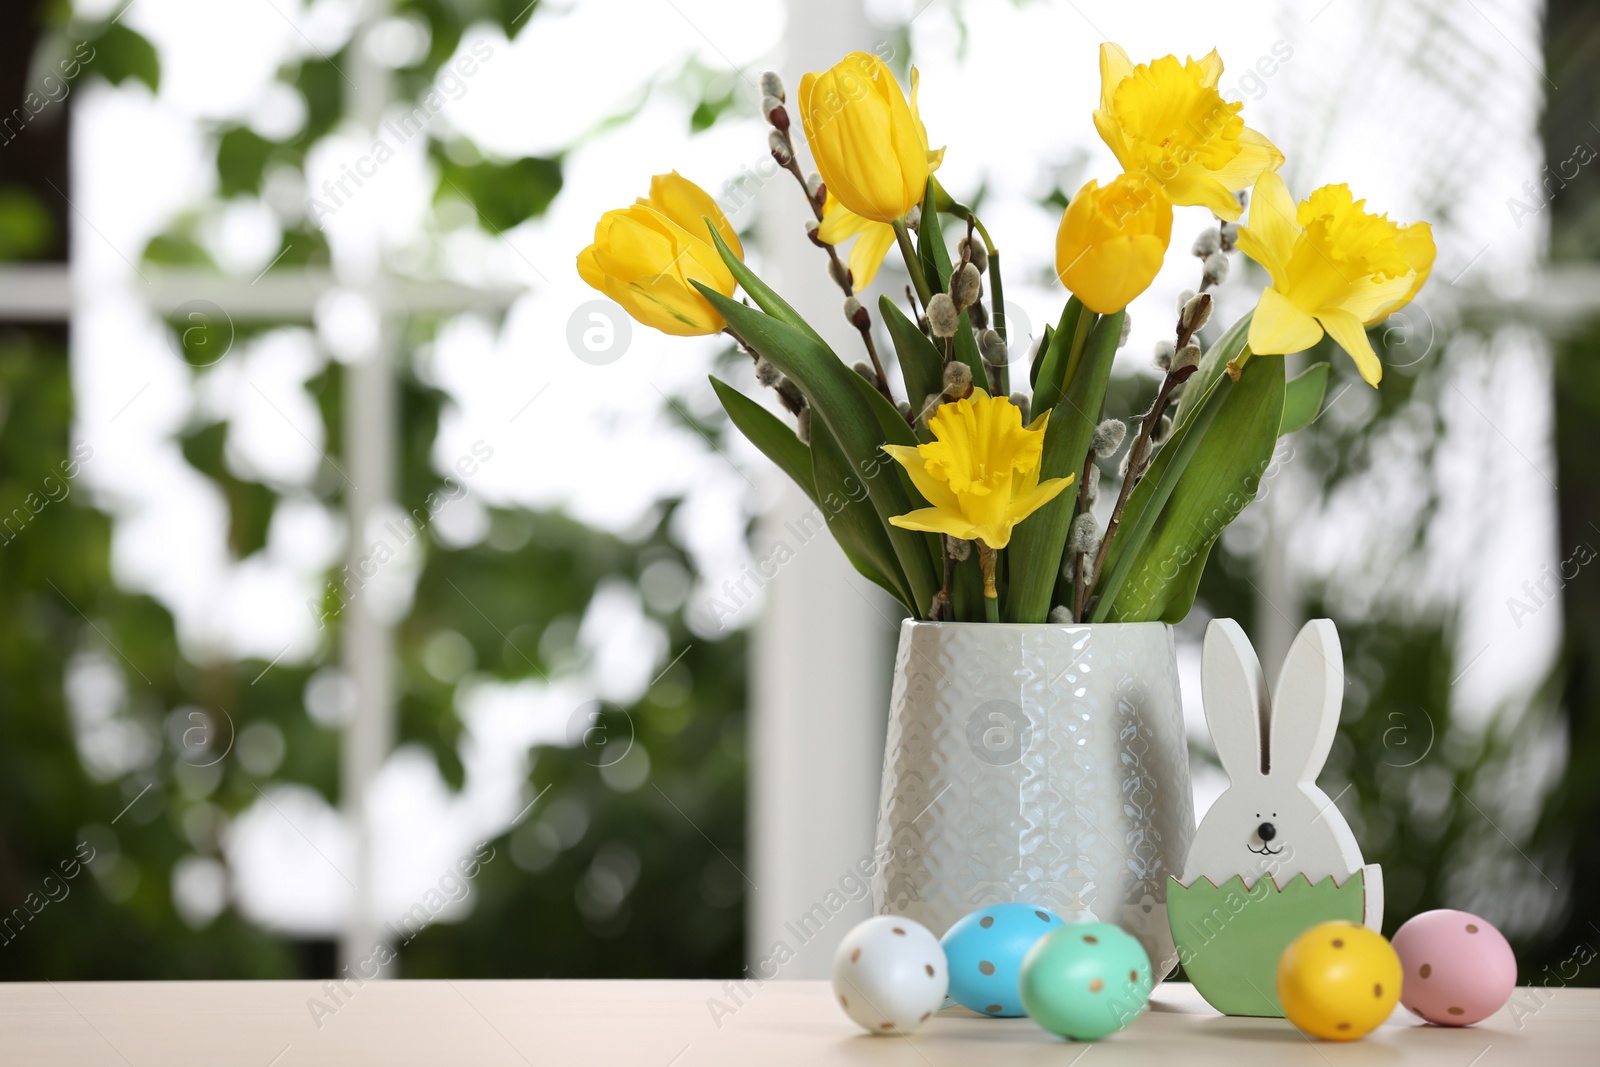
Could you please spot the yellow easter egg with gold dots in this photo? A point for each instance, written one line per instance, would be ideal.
(1338, 981)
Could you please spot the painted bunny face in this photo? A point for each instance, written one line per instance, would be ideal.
(1272, 819)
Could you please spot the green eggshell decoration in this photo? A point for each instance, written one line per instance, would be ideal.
(1085, 980)
(1230, 938)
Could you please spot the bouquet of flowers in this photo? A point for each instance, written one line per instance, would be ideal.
(973, 497)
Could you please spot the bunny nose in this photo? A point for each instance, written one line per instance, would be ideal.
(1266, 831)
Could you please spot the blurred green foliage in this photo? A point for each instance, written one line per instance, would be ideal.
(504, 194)
(605, 875)
(120, 54)
(26, 228)
(59, 606)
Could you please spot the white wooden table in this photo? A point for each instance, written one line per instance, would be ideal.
(657, 1024)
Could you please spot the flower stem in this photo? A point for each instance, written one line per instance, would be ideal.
(991, 595)
(1235, 365)
(998, 315)
(913, 265)
(1080, 337)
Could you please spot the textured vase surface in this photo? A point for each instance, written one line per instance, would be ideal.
(1043, 763)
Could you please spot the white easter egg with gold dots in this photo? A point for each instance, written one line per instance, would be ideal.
(889, 975)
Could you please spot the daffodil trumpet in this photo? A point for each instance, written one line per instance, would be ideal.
(1167, 122)
(910, 486)
(980, 474)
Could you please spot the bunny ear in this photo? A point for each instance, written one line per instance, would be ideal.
(1234, 692)
(1305, 703)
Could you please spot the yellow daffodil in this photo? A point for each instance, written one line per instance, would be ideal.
(1112, 240)
(1334, 267)
(980, 473)
(645, 256)
(1166, 119)
(869, 143)
(872, 240)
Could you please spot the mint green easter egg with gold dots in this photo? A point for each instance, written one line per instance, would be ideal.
(1085, 980)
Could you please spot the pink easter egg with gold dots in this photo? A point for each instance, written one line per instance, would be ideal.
(1458, 968)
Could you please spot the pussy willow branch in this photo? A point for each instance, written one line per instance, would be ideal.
(1137, 461)
(991, 373)
(943, 607)
(1138, 452)
(787, 391)
(1080, 584)
(916, 312)
(836, 267)
(997, 308)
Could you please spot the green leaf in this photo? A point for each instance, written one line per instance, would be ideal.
(1220, 479)
(119, 54)
(764, 295)
(514, 16)
(1039, 353)
(250, 504)
(26, 228)
(709, 110)
(1165, 474)
(768, 433)
(966, 592)
(1302, 398)
(931, 251)
(242, 156)
(1059, 362)
(1151, 494)
(896, 431)
(1039, 541)
(323, 87)
(965, 350)
(855, 423)
(1202, 396)
(505, 194)
(842, 499)
(920, 363)
(1212, 365)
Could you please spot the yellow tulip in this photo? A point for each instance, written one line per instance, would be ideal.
(869, 144)
(873, 238)
(980, 474)
(1112, 240)
(645, 256)
(1334, 267)
(1167, 120)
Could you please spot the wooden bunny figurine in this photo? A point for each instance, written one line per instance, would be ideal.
(1272, 825)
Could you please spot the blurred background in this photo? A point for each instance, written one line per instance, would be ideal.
(373, 596)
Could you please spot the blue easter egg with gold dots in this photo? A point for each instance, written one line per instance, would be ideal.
(985, 949)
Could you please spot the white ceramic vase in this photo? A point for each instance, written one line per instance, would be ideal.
(1043, 763)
